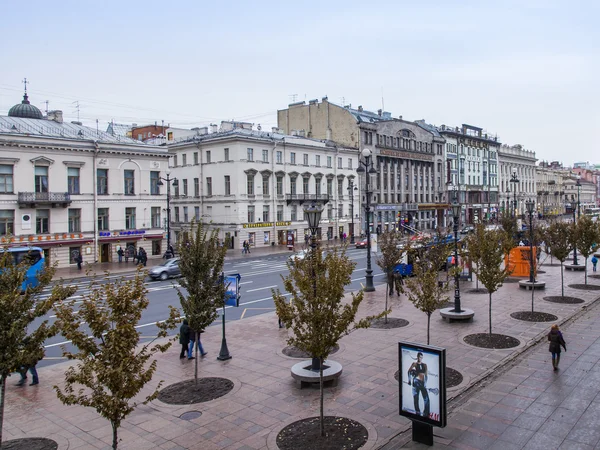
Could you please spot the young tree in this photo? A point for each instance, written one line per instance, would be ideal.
(474, 247)
(587, 238)
(21, 344)
(511, 229)
(489, 269)
(424, 289)
(315, 313)
(111, 368)
(392, 250)
(559, 239)
(201, 265)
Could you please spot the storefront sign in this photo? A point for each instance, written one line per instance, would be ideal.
(406, 155)
(266, 224)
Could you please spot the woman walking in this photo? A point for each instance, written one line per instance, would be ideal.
(556, 341)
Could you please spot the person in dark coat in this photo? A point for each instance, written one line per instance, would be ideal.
(184, 338)
(556, 341)
(120, 253)
(79, 261)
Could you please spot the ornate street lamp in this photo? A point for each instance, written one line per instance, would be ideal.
(174, 182)
(530, 205)
(514, 180)
(578, 184)
(456, 209)
(351, 189)
(367, 168)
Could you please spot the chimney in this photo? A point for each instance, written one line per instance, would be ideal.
(302, 133)
(400, 117)
(294, 132)
(56, 115)
(75, 122)
(379, 111)
(360, 108)
(213, 128)
(275, 130)
(202, 131)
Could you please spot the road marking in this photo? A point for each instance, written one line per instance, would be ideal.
(262, 288)
(246, 309)
(246, 282)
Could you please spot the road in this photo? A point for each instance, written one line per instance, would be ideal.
(258, 277)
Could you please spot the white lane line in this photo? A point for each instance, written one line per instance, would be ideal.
(262, 288)
(246, 282)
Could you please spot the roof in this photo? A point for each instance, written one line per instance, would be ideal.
(50, 128)
(118, 129)
(25, 110)
(429, 127)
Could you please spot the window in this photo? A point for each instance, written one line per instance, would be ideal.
(154, 179)
(293, 186)
(265, 154)
(185, 214)
(196, 187)
(196, 213)
(250, 154)
(294, 213)
(329, 161)
(6, 179)
(74, 220)
(130, 218)
(279, 156)
(341, 210)
(227, 185)
(279, 185)
(329, 211)
(292, 157)
(174, 160)
(73, 180)
(129, 182)
(226, 154)
(339, 163)
(349, 163)
(184, 160)
(102, 181)
(317, 160)
(7, 222)
(176, 209)
(208, 157)
(265, 187)
(103, 219)
(305, 182)
(155, 217)
(305, 159)
(329, 187)
(318, 186)
(340, 185)
(250, 214)
(41, 179)
(266, 213)
(279, 213)
(209, 186)
(42, 221)
(196, 158)
(250, 184)
(74, 252)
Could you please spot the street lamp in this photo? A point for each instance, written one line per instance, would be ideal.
(578, 184)
(530, 205)
(456, 214)
(515, 180)
(368, 170)
(174, 182)
(351, 189)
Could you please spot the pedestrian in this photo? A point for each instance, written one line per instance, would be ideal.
(120, 253)
(192, 342)
(144, 256)
(184, 338)
(127, 255)
(247, 247)
(556, 341)
(140, 255)
(31, 367)
(79, 261)
(594, 262)
(244, 247)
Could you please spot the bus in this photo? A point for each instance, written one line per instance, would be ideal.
(33, 257)
(592, 212)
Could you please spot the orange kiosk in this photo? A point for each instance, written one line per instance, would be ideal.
(519, 261)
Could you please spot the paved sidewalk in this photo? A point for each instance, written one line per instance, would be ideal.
(265, 399)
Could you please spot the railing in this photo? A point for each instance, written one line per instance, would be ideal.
(44, 197)
(301, 198)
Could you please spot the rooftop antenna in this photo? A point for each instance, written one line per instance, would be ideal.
(76, 103)
(382, 103)
(46, 102)
(293, 97)
(343, 101)
(25, 84)
(97, 128)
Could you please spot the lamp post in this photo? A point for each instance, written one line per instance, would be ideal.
(368, 170)
(578, 184)
(313, 213)
(174, 182)
(351, 189)
(456, 214)
(514, 180)
(530, 205)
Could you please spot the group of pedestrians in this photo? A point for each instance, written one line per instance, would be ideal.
(141, 256)
(245, 247)
(187, 339)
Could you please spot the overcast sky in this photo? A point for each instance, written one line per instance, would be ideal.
(526, 70)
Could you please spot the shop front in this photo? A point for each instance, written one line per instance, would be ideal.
(263, 234)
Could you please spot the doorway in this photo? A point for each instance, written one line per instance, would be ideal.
(104, 253)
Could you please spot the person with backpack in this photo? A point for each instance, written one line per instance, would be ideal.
(594, 262)
(556, 342)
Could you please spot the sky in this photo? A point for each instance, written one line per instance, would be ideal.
(526, 71)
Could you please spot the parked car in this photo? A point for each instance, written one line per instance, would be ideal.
(361, 244)
(298, 256)
(468, 229)
(168, 269)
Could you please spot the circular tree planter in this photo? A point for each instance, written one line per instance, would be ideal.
(478, 291)
(494, 341)
(541, 271)
(340, 433)
(187, 393)
(30, 444)
(453, 377)
(533, 316)
(560, 299)
(295, 352)
(511, 280)
(392, 322)
(585, 287)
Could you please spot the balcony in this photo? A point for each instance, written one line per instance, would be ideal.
(302, 198)
(36, 199)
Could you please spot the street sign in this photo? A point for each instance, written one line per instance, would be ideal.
(232, 295)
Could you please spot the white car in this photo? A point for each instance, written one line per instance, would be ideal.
(298, 256)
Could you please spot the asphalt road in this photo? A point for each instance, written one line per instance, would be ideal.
(258, 276)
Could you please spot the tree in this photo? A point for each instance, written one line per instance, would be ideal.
(22, 344)
(111, 369)
(559, 239)
(424, 289)
(511, 229)
(201, 265)
(489, 268)
(587, 237)
(315, 313)
(474, 246)
(392, 250)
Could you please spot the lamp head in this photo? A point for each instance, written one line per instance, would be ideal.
(313, 213)
(168, 172)
(514, 171)
(455, 206)
(175, 182)
(530, 205)
(367, 152)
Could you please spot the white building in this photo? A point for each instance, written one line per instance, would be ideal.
(517, 172)
(72, 189)
(550, 185)
(252, 185)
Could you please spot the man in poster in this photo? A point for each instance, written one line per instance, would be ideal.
(417, 377)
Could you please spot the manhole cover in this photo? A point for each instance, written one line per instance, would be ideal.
(190, 415)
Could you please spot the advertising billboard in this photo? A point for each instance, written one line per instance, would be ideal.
(422, 379)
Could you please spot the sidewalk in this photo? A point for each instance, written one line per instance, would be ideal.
(265, 399)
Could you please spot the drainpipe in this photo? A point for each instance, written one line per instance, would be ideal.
(274, 191)
(95, 190)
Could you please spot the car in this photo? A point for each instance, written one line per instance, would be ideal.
(468, 229)
(298, 256)
(361, 244)
(168, 269)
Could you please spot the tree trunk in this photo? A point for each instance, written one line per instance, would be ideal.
(115, 428)
(3, 393)
(428, 322)
(532, 291)
(196, 360)
(585, 270)
(321, 400)
(490, 311)
(562, 280)
(386, 297)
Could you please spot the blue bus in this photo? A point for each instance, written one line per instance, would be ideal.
(34, 258)
(405, 267)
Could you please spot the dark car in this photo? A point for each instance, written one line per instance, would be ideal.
(166, 270)
(361, 244)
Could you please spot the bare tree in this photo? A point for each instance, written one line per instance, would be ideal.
(392, 250)
(587, 237)
(560, 240)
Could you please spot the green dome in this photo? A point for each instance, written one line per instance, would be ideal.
(25, 110)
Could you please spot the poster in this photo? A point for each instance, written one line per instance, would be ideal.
(422, 383)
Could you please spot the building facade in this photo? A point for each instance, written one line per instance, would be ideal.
(520, 188)
(550, 186)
